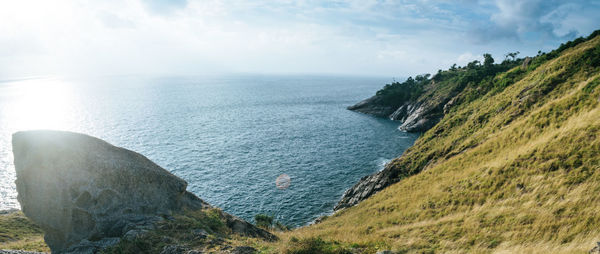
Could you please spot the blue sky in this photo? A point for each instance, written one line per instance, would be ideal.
(360, 37)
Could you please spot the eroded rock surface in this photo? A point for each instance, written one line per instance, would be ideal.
(372, 106)
(415, 116)
(366, 187)
(86, 193)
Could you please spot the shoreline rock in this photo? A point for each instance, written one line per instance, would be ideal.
(86, 193)
(367, 186)
(371, 106)
(415, 116)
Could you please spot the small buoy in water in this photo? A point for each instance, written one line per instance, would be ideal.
(283, 181)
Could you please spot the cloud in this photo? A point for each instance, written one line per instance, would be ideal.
(371, 37)
(114, 21)
(164, 6)
(536, 20)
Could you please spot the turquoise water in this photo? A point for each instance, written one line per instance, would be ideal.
(229, 137)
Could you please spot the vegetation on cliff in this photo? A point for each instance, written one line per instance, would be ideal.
(420, 102)
(514, 165)
(451, 81)
(457, 78)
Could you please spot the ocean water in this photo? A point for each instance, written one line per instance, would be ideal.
(229, 137)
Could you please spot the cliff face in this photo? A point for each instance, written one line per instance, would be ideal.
(86, 194)
(415, 116)
(417, 111)
(373, 106)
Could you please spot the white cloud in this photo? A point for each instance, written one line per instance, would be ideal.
(162, 37)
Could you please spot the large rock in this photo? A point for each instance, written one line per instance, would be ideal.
(85, 193)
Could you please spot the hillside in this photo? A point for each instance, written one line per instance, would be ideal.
(512, 166)
(446, 91)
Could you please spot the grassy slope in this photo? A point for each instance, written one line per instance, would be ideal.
(517, 169)
(19, 233)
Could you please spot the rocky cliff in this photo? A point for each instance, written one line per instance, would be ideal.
(86, 193)
(416, 115)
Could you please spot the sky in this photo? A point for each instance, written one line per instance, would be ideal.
(355, 37)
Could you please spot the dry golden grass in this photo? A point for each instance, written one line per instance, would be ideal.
(19, 233)
(28, 244)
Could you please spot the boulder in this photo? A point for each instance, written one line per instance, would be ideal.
(86, 193)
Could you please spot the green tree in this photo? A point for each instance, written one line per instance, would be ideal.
(488, 60)
(512, 55)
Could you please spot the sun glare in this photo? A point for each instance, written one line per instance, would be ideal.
(39, 104)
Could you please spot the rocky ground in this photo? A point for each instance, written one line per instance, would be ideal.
(19, 252)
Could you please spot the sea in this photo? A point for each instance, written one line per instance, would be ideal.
(229, 136)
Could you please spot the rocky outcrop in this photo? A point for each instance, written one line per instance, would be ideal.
(526, 63)
(244, 228)
(369, 185)
(415, 116)
(372, 106)
(86, 193)
(366, 187)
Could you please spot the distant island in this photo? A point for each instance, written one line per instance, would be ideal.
(508, 161)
